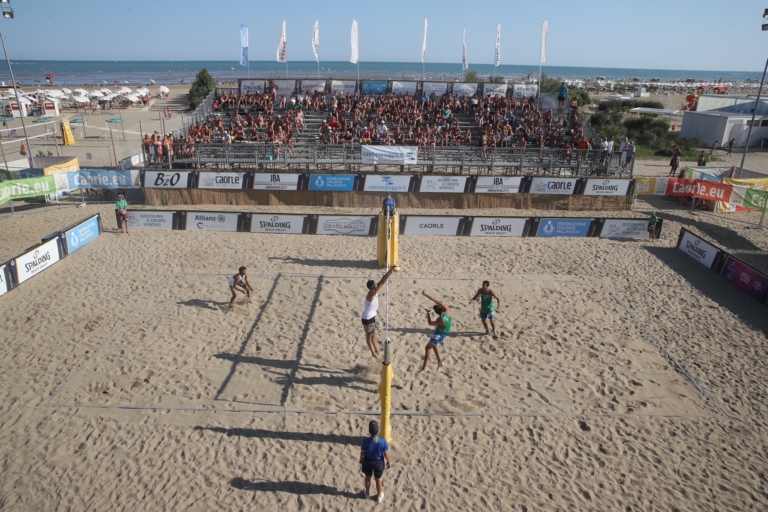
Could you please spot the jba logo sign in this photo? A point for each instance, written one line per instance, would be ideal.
(485, 226)
(263, 181)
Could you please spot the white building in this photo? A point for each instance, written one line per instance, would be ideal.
(720, 118)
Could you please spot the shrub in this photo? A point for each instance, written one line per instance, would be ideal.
(201, 87)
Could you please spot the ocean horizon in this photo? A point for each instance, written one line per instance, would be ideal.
(72, 72)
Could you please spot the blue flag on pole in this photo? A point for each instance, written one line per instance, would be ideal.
(244, 46)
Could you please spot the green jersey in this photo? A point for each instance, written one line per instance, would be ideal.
(486, 302)
(447, 327)
(122, 205)
(653, 220)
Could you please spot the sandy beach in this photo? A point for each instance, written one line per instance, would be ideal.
(126, 385)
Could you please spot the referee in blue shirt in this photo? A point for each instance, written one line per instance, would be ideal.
(372, 454)
(388, 205)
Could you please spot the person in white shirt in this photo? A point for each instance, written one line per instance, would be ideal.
(609, 148)
(623, 149)
(381, 130)
(370, 308)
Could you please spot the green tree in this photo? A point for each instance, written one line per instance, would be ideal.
(548, 84)
(201, 87)
(471, 76)
(496, 79)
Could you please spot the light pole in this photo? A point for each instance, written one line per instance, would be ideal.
(5, 6)
(757, 102)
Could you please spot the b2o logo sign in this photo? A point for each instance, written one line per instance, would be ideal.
(156, 179)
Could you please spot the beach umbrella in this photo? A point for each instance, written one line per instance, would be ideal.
(105, 90)
(164, 89)
(152, 82)
(66, 91)
(82, 92)
(81, 99)
(124, 90)
(96, 94)
(132, 97)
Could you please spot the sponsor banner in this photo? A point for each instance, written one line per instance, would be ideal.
(386, 183)
(497, 226)
(451, 184)
(310, 86)
(498, 185)
(62, 182)
(211, 221)
(404, 87)
(285, 87)
(600, 187)
(338, 225)
(228, 180)
(436, 88)
(104, 179)
(495, 89)
(737, 196)
(262, 181)
(166, 179)
(332, 182)
(708, 190)
(375, 87)
(37, 260)
(398, 155)
(745, 277)
(144, 219)
(436, 226)
(277, 223)
(645, 186)
(660, 186)
(698, 249)
(343, 86)
(520, 91)
(625, 228)
(465, 89)
(29, 187)
(3, 283)
(754, 199)
(82, 234)
(563, 186)
(252, 86)
(564, 227)
(71, 166)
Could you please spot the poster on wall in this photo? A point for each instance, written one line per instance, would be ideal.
(211, 221)
(375, 87)
(332, 182)
(264, 181)
(449, 184)
(436, 88)
(252, 86)
(222, 180)
(404, 88)
(343, 86)
(497, 226)
(396, 155)
(465, 89)
(561, 186)
(310, 86)
(601, 187)
(342, 225)
(498, 184)
(166, 179)
(435, 226)
(520, 91)
(285, 224)
(495, 89)
(564, 227)
(386, 183)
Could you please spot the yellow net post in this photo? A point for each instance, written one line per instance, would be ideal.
(387, 240)
(389, 228)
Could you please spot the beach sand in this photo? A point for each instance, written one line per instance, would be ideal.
(126, 385)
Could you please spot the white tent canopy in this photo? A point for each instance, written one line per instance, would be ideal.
(96, 94)
(66, 91)
(124, 90)
(164, 89)
(81, 99)
(82, 92)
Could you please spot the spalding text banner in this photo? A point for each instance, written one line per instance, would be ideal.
(625, 228)
(601, 187)
(698, 249)
(497, 226)
(397, 155)
(277, 224)
(37, 260)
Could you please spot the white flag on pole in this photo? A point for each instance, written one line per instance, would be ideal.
(282, 56)
(544, 31)
(355, 51)
(244, 46)
(316, 41)
(424, 45)
(464, 64)
(497, 57)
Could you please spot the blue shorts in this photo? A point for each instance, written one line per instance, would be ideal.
(437, 337)
(488, 316)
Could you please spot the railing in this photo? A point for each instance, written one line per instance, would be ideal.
(342, 158)
(201, 112)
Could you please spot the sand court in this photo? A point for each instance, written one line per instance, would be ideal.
(565, 348)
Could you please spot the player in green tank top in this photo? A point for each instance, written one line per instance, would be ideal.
(442, 325)
(487, 311)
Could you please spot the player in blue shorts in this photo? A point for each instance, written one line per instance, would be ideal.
(442, 325)
(487, 311)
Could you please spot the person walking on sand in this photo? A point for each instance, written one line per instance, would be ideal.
(486, 306)
(122, 213)
(442, 325)
(373, 452)
(674, 163)
(239, 283)
(652, 221)
(370, 309)
(730, 146)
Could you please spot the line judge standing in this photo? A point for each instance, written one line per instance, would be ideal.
(122, 212)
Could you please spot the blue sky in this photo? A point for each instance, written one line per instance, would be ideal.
(661, 34)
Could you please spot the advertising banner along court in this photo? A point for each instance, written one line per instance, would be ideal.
(746, 278)
(636, 229)
(38, 259)
(695, 247)
(397, 155)
(221, 180)
(262, 181)
(498, 226)
(29, 187)
(211, 221)
(146, 219)
(344, 225)
(83, 233)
